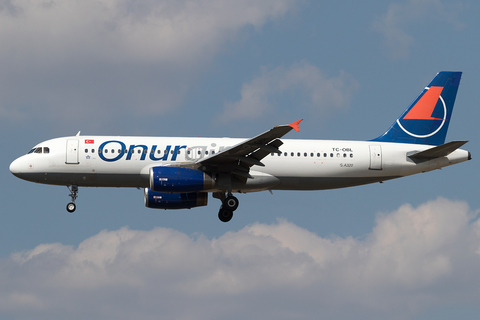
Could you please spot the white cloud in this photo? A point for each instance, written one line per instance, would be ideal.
(413, 260)
(172, 31)
(99, 57)
(403, 17)
(300, 84)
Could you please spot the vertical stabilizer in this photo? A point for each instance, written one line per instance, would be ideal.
(426, 120)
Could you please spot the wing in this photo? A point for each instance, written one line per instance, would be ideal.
(238, 159)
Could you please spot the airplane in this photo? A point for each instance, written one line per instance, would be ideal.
(178, 172)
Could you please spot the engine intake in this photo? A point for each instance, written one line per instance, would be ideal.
(178, 179)
(166, 200)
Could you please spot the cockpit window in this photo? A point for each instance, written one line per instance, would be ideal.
(40, 150)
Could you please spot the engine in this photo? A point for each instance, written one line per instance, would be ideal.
(178, 179)
(166, 200)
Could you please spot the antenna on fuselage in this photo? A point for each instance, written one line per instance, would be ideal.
(78, 134)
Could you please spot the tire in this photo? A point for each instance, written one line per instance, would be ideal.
(230, 203)
(71, 207)
(225, 215)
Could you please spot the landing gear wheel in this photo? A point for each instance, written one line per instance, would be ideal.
(225, 215)
(71, 207)
(230, 203)
(73, 194)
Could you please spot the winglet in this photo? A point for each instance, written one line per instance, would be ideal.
(295, 125)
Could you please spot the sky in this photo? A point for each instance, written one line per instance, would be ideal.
(404, 249)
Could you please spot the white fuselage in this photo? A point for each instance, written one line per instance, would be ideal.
(109, 161)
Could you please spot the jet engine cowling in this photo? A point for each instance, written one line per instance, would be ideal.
(178, 179)
(167, 200)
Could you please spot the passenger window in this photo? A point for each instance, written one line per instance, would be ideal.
(178, 152)
(86, 150)
(351, 155)
(331, 155)
(99, 150)
(199, 152)
(344, 155)
(206, 152)
(318, 155)
(165, 151)
(325, 155)
(119, 151)
(188, 151)
(298, 154)
(158, 151)
(145, 151)
(272, 153)
(139, 151)
(305, 154)
(291, 154)
(113, 151)
(46, 150)
(93, 150)
(106, 150)
(213, 152)
(338, 155)
(311, 154)
(285, 154)
(171, 151)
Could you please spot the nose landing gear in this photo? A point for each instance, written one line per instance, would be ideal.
(73, 194)
(229, 204)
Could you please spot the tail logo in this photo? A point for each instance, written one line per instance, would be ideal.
(423, 111)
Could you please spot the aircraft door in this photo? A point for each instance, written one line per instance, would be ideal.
(375, 157)
(72, 152)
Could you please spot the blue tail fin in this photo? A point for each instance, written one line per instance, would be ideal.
(426, 120)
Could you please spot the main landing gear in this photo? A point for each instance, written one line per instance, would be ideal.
(73, 194)
(229, 204)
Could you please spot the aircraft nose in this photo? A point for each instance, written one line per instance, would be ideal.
(16, 167)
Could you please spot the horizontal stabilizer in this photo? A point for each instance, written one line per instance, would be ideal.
(437, 152)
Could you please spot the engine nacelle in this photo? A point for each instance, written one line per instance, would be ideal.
(178, 179)
(166, 200)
